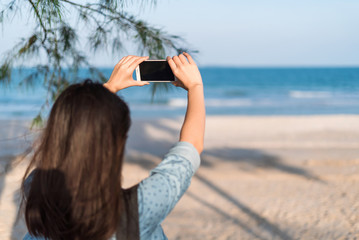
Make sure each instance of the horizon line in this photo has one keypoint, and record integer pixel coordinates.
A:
(236, 66)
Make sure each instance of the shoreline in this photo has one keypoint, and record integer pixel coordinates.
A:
(142, 116)
(226, 115)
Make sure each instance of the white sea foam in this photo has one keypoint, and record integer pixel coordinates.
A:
(212, 102)
(177, 102)
(310, 94)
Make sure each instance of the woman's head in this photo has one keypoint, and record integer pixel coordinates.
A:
(83, 142)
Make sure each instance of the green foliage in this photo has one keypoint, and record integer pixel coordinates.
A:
(1, 16)
(5, 72)
(55, 41)
(37, 121)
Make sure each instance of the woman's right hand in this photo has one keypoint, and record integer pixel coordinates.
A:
(187, 73)
(185, 70)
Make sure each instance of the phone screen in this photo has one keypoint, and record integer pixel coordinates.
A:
(156, 71)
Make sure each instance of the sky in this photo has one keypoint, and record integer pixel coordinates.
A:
(256, 33)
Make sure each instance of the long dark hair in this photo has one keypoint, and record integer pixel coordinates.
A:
(75, 192)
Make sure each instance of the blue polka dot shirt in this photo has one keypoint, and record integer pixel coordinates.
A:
(159, 193)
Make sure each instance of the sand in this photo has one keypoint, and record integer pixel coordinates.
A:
(262, 177)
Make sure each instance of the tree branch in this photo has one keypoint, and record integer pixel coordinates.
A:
(84, 6)
(39, 18)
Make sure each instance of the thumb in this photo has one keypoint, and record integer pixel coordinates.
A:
(142, 83)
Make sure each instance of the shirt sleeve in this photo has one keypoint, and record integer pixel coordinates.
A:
(159, 193)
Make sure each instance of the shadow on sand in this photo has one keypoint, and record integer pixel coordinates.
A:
(242, 159)
(262, 223)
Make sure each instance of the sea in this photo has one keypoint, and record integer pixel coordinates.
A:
(228, 91)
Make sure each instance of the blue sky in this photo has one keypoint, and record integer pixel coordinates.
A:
(248, 33)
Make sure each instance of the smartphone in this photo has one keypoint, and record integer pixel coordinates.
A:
(154, 71)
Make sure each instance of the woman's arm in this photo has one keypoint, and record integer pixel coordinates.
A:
(189, 78)
(121, 76)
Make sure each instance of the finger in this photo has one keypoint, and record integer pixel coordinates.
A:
(142, 83)
(177, 61)
(190, 59)
(125, 59)
(183, 58)
(132, 60)
(121, 61)
(171, 63)
(128, 58)
(177, 82)
(137, 62)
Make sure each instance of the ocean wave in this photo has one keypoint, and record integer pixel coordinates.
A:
(19, 108)
(235, 93)
(212, 102)
(310, 94)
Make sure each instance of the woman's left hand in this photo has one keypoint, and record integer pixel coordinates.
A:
(121, 76)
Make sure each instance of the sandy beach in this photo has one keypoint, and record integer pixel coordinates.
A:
(261, 177)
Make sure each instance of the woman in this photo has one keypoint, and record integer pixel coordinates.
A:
(75, 190)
